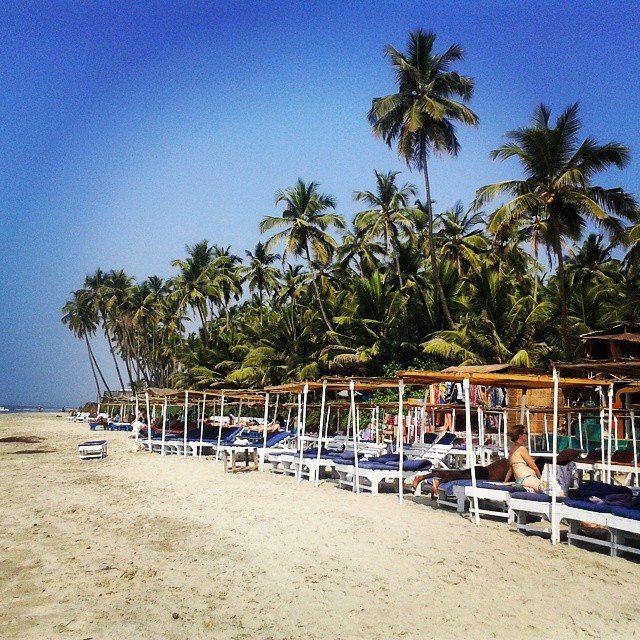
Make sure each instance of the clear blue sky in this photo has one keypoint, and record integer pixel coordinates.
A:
(130, 129)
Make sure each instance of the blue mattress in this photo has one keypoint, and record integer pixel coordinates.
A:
(587, 505)
(633, 513)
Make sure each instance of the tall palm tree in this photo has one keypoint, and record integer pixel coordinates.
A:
(259, 273)
(356, 248)
(82, 319)
(459, 238)
(96, 285)
(389, 215)
(226, 279)
(421, 116)
(116, 291)
(558, 186)
(305, 221)
(193, 286)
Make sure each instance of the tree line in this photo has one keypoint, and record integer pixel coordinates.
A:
(512, 277)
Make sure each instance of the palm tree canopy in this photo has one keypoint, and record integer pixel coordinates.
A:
(423, 112)
(558, 173)
(306, 221)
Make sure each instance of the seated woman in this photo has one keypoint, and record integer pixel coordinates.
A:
(522, 467)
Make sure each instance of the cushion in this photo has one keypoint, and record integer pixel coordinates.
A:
(587, 505)
(597, 489)
(533, 497)
(416, 465)
(626, 512)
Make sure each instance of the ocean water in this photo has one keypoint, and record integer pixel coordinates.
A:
(28, 408)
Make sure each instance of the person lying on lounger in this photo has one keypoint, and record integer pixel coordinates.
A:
(521, 465)
(495, 472)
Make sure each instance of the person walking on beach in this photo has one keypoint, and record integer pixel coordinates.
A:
(521, 465)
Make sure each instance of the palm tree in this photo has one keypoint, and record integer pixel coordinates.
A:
(503, 325)
(259, 273)
(358, 249)
(459, 239)
(116, 291)
(389, 215)
(557, 186)
(96, 285)
(420, 117)
(592, 264)
(193, 285)
(305, 221)
(81, 317)
(226, 279)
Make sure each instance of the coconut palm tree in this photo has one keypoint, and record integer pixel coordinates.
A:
(389, 216)
(420, 117)
(592, 264)
(82, 319)
(502, 324)
(558, 186)
(193, 286)
(305, 221)
(459, 238)
(259, 273)
(358, 250)
(96, 284)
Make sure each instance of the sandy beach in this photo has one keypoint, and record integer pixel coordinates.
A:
(136, 546)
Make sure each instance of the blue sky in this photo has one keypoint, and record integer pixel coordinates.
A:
(132, 129)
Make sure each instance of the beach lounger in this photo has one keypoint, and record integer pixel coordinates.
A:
(524, 505)
(494, 496)
(92, 449)
(312, 467)
(243, 446)
(372, 474)
(622, 462)
(618, 525)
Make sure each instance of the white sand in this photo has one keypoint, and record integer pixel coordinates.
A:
(111, 549)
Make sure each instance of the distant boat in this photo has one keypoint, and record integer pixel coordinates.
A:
(4, 409)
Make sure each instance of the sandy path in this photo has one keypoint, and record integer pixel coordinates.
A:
(111, 549)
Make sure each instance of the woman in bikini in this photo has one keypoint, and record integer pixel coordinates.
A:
(521, 465)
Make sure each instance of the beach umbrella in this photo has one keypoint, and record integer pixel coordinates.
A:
(321, 429)
(401, 438)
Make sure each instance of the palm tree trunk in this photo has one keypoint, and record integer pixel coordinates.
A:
(93, 369)
(98, 369)
(113, 355)
(562, 291)
(317, 291)
(397, 261)
(432, 244)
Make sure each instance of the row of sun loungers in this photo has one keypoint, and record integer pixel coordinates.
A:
(616, 520)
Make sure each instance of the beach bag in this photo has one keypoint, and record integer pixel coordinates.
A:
(562, 481)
